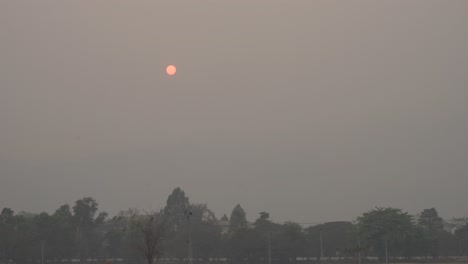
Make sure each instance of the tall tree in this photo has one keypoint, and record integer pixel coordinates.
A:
(17, 236)
(385, 230)
(432, 226)
(462, 236)
(6, 233)
(127, 233)
(176, 206)
(84, 211)
(176, 212)
(238, 219)
(264, 225)
(64, 240)
(86, 225)
(151, 227)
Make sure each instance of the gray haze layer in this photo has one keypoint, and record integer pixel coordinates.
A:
(310, 110)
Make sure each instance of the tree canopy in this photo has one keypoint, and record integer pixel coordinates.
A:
(82, 231)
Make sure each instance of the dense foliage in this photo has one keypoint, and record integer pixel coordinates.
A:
(82, 232)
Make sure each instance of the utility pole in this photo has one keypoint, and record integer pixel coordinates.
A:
(359, 249)
(42, 252)
(269, 248)
(190, 242)
(321, 245)
(188, 214)
(386, 251)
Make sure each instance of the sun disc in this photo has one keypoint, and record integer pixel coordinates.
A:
(171, 70)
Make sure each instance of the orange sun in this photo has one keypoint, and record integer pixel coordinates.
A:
(171, 70)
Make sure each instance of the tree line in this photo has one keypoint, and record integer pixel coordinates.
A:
(183, 229)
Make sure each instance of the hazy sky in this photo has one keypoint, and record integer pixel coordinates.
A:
(310, 110)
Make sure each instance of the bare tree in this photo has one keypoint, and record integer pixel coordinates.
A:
(152, 228)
